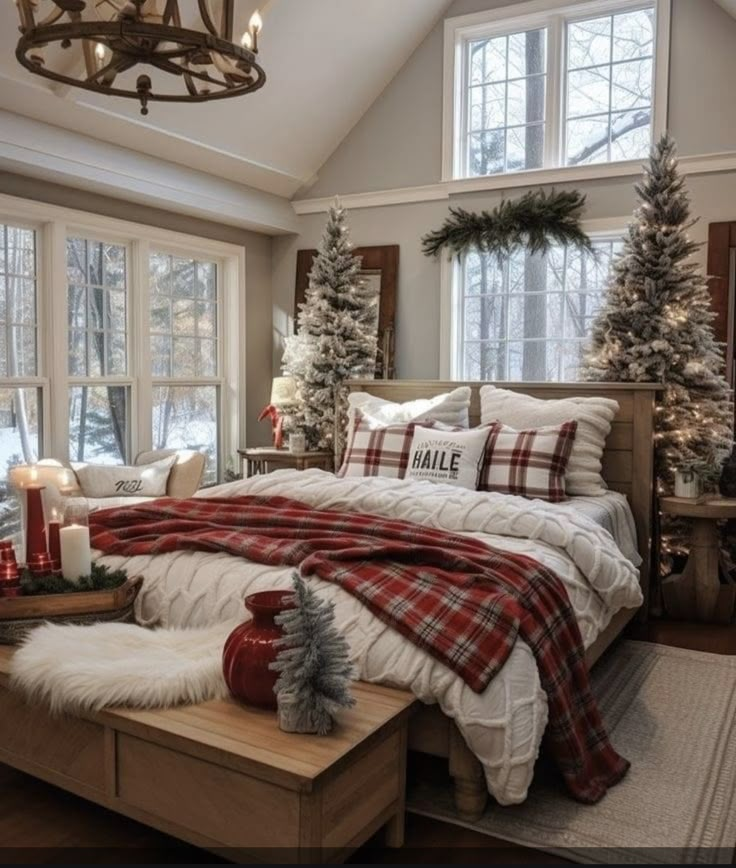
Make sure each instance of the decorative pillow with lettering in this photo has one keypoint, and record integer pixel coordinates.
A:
(528, 463)
(452, 457)
(109, 480)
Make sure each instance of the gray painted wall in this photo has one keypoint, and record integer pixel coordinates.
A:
(258, 274)
(397, 143)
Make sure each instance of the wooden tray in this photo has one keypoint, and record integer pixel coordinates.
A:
(20, 615)
(53, 606)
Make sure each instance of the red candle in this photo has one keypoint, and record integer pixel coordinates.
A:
(55, 544)
(35, 523)
(9, 579)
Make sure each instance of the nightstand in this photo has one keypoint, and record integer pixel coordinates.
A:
(699, 590)
(266, 459)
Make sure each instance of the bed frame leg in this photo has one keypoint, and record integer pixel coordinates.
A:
(466, 771)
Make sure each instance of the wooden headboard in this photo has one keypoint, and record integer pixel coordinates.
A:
(628, 459)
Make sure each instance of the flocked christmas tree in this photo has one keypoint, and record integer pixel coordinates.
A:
(656, 326)
(336, 340)
(314, 664)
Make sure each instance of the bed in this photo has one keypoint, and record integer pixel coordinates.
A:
(491, 739)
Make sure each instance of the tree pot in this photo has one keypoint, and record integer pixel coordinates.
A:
(727, 484)
(249, 649)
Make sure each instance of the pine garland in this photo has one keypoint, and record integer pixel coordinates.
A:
(536, 222)
(101, 579)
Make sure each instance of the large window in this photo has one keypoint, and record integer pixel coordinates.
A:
(21, 392)
(185, 355)
(113, 342)
(98, 356)
(527, 317)
(548, 84)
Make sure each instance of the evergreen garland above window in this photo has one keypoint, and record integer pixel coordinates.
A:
(536, 221)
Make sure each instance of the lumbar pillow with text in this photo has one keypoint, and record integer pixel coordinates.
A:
(593, 415)
(453, 457)
(110, 480)
(377, 450)
(450, 408)
(529, 463)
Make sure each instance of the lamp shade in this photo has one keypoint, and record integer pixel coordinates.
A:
(283, 392)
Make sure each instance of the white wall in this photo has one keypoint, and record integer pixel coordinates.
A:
(398, 144)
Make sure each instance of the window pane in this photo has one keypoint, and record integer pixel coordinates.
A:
(19, 444)
(97, 307)
(17, 302)
(183, 311)
(99, 424)
(506, 102)
(520, 315)
(609, 88)
(186, 417)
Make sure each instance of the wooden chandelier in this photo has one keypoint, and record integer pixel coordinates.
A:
(103, 40)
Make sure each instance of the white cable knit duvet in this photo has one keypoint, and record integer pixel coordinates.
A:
(503, 726)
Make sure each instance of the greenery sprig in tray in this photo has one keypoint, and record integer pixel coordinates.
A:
(101, 579)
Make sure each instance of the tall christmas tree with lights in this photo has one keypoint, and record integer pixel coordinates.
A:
(656, 326)
(337, 332)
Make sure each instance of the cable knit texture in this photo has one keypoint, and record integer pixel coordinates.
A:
(504, 724)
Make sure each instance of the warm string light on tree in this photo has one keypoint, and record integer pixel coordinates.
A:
(656, 326)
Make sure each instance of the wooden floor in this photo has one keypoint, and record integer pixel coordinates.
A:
(40, 824)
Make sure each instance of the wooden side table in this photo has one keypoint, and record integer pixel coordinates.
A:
(698, 590)
(266, 459)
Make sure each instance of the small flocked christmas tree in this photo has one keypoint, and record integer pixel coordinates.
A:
(337, 332)
(656, 326)
(314, 664)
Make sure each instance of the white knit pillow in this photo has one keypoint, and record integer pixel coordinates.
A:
(593, 415)
(450, 408)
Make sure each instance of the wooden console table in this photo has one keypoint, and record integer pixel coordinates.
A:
(223, 776)
(699, 590)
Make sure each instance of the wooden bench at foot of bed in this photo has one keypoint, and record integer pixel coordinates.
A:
(223, 776)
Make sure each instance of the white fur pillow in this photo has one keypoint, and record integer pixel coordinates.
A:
(114, 480)
(593, 415)
(450, 408)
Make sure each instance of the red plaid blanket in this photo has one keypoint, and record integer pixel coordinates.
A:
(462, 601)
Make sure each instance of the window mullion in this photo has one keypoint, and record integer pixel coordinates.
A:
(54, 296)
(556, 84)
(140, 345)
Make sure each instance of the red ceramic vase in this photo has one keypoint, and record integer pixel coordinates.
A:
(249, 649)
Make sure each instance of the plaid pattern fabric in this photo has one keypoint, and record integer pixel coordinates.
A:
(464, 602)
(382, 451)
(529, 463)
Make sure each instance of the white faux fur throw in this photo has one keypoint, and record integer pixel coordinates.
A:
(74, 668)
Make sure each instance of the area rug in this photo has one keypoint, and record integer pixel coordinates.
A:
(673, 714)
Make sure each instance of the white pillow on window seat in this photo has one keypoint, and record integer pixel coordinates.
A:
(110, 480)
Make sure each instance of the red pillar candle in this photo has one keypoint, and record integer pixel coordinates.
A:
(9, 578)
(55, 544)
(35, 522)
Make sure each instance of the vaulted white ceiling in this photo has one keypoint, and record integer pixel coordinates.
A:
(326, 62)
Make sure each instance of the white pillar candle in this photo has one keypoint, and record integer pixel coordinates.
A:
(76, 553)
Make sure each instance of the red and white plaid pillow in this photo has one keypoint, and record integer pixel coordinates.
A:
(528, 463)
(379, 450)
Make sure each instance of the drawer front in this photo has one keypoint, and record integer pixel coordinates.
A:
(223, 805)
(361, 792)
(65, 746)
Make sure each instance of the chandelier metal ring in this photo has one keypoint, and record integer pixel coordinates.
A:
(211, 66)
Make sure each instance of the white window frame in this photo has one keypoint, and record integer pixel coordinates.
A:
(53, 225)
(553, 15)
(451, 295)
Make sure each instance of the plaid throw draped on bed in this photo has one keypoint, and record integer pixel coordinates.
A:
(459, 599)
